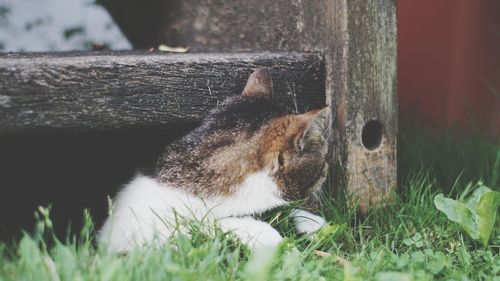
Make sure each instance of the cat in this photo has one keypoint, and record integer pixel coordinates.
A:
(249, 155)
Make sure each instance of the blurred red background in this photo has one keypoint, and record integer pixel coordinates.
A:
(449, 63)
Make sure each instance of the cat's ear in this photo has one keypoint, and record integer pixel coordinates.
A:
(317, 127)
(259, 84)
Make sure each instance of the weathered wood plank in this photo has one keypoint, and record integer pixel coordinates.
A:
(96, 91)
(369, 97)
(357, 38)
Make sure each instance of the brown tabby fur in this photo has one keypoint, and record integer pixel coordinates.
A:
(243, 135)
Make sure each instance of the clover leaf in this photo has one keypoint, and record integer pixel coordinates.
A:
(476, 215)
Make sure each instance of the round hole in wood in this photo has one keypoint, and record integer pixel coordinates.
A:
(371, 136)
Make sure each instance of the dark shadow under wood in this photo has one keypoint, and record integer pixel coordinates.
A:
(70, 172)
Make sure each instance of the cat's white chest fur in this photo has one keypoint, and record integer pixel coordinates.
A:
(145, 210)
(256, 194)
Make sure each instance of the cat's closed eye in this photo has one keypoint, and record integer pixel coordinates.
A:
(281, 160)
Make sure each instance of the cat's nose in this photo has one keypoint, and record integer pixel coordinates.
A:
(322, 119)
(329, 117)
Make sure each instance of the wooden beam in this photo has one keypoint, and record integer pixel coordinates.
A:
(97, 91)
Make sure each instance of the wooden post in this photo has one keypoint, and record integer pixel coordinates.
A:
(357, 39)
(363, 89)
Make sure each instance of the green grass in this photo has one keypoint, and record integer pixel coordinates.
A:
(407, 240)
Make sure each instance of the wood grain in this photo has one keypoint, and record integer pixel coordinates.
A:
(100, 91)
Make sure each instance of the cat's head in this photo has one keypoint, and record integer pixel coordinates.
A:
(251, 134)
(294, 146)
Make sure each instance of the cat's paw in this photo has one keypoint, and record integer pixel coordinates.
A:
(253, 233)
(267, 238)
(307, 222)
